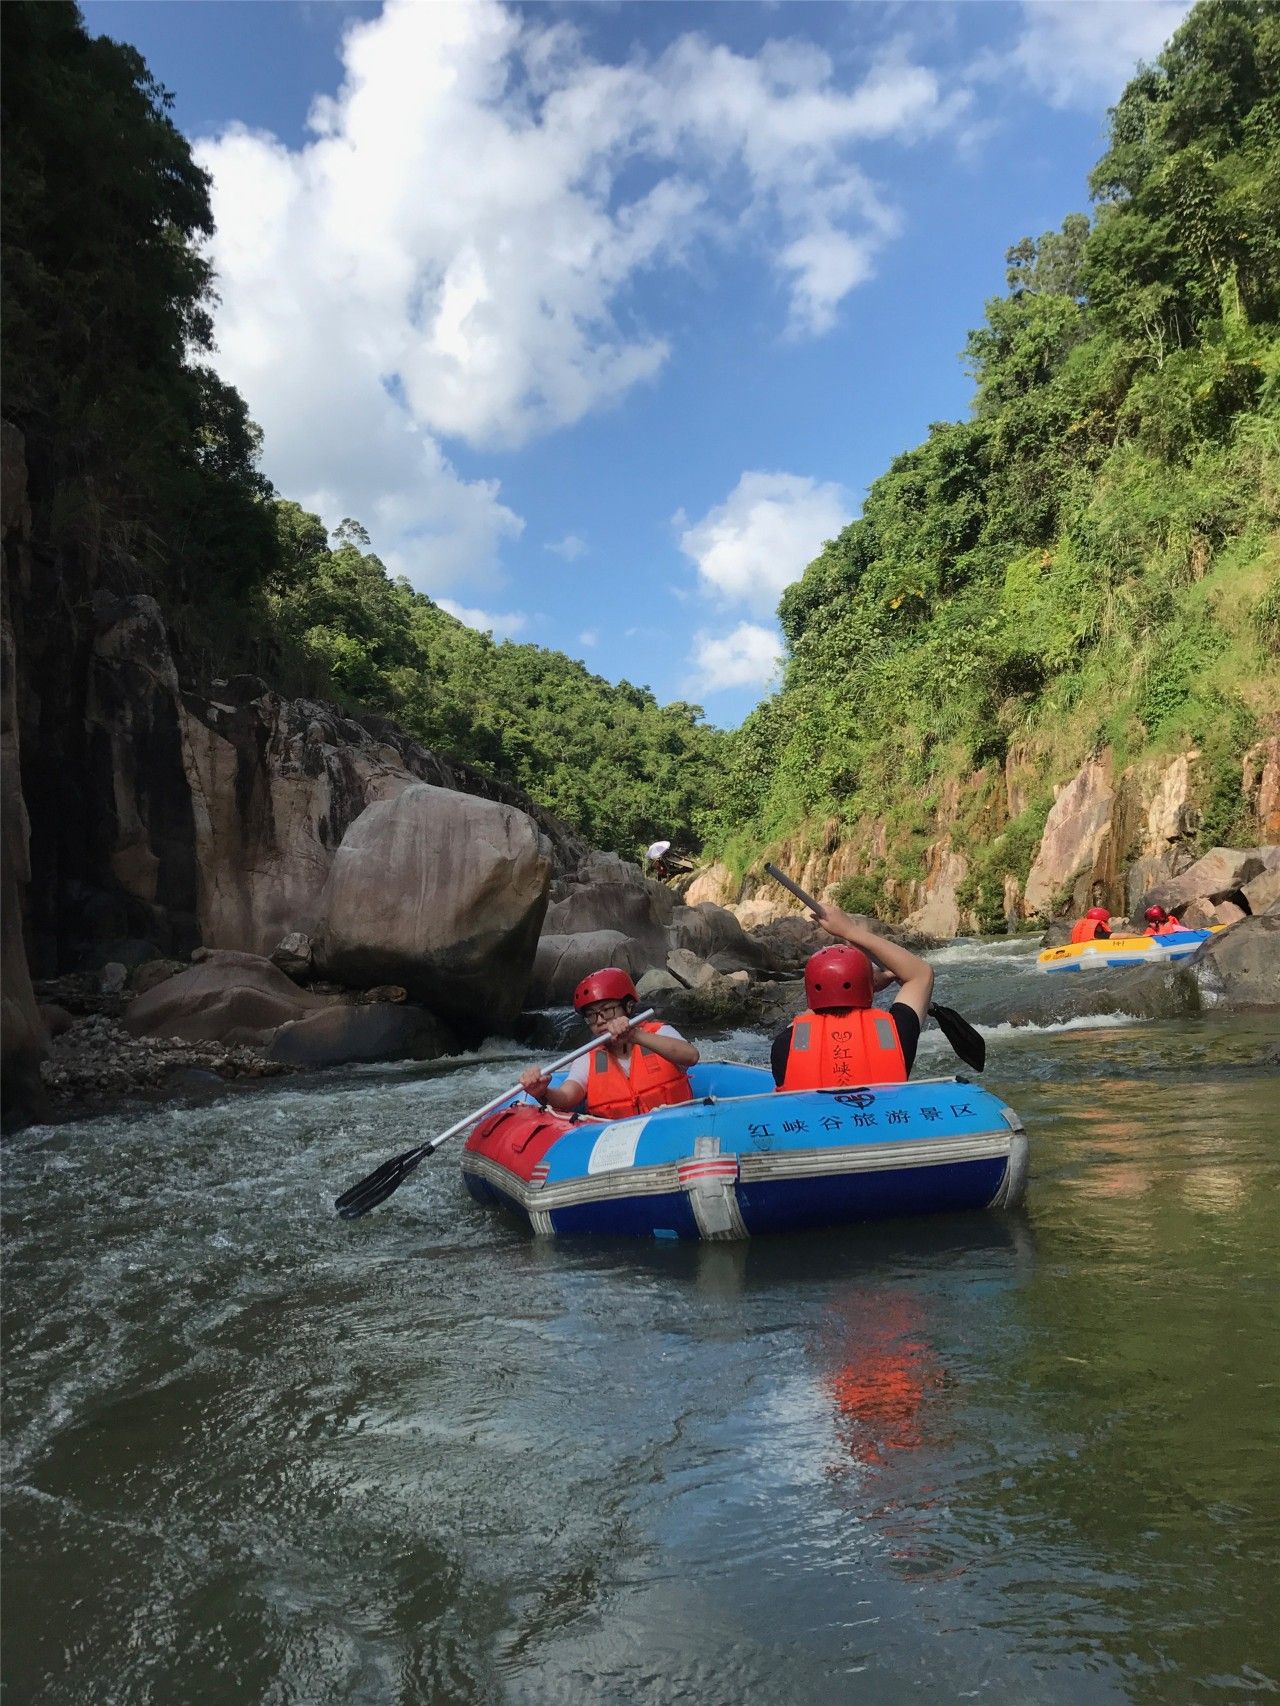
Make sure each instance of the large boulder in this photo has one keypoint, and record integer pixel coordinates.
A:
(1240, 967)
(227, 997)
(607, 893)
(379, 1031)
(442, 892)
(1263, 892)
(713, 932)
(1216, 878)
(561, 963)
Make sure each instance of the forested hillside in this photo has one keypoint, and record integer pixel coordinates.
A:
(1091, 560)
(144, 476)
(610, 760)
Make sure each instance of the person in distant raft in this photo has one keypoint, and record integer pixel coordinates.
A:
(843, 1039)
(1095, 926)
(1159, 922)
(636, 1068)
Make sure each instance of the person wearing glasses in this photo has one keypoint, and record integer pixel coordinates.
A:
(635, 1069)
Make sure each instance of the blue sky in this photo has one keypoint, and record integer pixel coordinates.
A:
(602, 318)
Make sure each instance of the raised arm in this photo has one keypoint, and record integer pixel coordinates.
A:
(914, 974)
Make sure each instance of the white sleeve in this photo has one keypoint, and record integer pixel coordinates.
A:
(579, 1071)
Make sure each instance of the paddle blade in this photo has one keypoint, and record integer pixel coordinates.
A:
(968, 1045)
(379, 1185)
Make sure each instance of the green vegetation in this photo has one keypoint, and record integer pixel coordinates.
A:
(1092, 558)
(143, 474)
(610, 760)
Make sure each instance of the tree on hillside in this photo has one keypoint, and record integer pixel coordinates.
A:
(137, 450)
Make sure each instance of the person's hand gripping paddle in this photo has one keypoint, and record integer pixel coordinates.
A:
(379, 1184)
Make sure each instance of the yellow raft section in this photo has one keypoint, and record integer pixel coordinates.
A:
(1123, 950)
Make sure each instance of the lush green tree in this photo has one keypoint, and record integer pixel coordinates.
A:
(139, 453)
(1086, 559)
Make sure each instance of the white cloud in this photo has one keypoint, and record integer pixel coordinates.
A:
(748, 656)
(454, 251)
(502, 625)
(589, 637)
(764, 534)
(1078, 52)
(570, 547)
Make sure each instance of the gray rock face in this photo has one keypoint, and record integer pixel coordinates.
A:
(443, 893)
(1241, 966)
(713, 933)
(24, 1042)
(379, 1031)
(1263, 892)
(1218, 876)
(604, 892)
(561, 963)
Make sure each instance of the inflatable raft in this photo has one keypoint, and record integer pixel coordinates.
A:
(1125, 951)
(741, 1159)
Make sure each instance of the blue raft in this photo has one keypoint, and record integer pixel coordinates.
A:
(741, 1159)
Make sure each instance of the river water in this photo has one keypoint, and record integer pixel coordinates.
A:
(253, 1453)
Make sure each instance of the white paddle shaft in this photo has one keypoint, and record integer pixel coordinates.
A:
(516, 1090)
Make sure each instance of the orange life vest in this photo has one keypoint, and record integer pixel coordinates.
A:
(860, 1046)
(1085, 930)
(1170, 927)
(650, 1082)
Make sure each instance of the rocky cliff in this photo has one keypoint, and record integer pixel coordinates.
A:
(145, 814)
(1112, 836)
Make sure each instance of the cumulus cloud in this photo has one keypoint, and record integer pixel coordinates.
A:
(760, 539)
(502, 625)
(748, 656)
(1077, 52)
(570, 547)
(454, 251)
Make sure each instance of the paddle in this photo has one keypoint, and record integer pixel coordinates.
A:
(966, 1043)
(392, 1174)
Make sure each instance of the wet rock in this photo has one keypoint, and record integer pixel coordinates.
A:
(382, 1031)
(722, 1004)
(1241, 966)
(392, 992)
(23, 1040)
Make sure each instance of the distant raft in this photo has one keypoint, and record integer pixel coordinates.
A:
(742, 1159)
(1125, 951)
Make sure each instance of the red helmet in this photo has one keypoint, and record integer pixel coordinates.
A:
(1155, 915)
(838, 977)
(607, 985)
(1100, 913)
